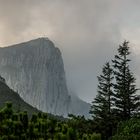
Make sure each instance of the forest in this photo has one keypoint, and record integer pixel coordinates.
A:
(115, 111)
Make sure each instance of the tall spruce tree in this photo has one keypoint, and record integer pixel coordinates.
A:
(125, 98)
(101, 106)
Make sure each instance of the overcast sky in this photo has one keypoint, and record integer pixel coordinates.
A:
(87, 32)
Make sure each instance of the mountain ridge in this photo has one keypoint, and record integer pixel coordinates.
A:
(35, 69)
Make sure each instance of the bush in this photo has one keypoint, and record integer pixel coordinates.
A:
(96, 136)
(128, 130)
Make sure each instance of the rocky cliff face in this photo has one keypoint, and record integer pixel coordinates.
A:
(35, 70)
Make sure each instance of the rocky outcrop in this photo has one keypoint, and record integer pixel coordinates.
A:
(35, 70)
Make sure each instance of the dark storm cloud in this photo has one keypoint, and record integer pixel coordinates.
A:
(87, 32)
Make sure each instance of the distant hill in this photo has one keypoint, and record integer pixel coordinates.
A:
(7, 94)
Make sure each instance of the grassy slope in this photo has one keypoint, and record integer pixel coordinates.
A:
(6, 94)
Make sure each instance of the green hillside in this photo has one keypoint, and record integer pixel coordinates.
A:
(7, 94)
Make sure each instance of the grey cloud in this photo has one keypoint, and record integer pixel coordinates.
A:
(87, 32)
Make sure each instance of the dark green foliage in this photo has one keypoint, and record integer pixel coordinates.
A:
(17, 126)
(7, 110)
(96, 136)
(102, 103)
(125, 98)
(128, 130)
(101, 106)
(116, 99)
(81, 125)
(71, 134)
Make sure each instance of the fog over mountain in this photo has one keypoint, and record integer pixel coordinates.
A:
(35, 70)
(87, 32)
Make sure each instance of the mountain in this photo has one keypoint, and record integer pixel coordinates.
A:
(35, 70)
(7, 94)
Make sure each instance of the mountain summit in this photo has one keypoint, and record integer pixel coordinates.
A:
(35, 70)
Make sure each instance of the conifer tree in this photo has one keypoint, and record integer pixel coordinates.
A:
(125, 98)
(101, 106)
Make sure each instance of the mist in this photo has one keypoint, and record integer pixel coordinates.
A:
(88, 33)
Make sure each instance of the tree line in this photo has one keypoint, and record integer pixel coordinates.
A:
(117, 99)
(16, 125)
